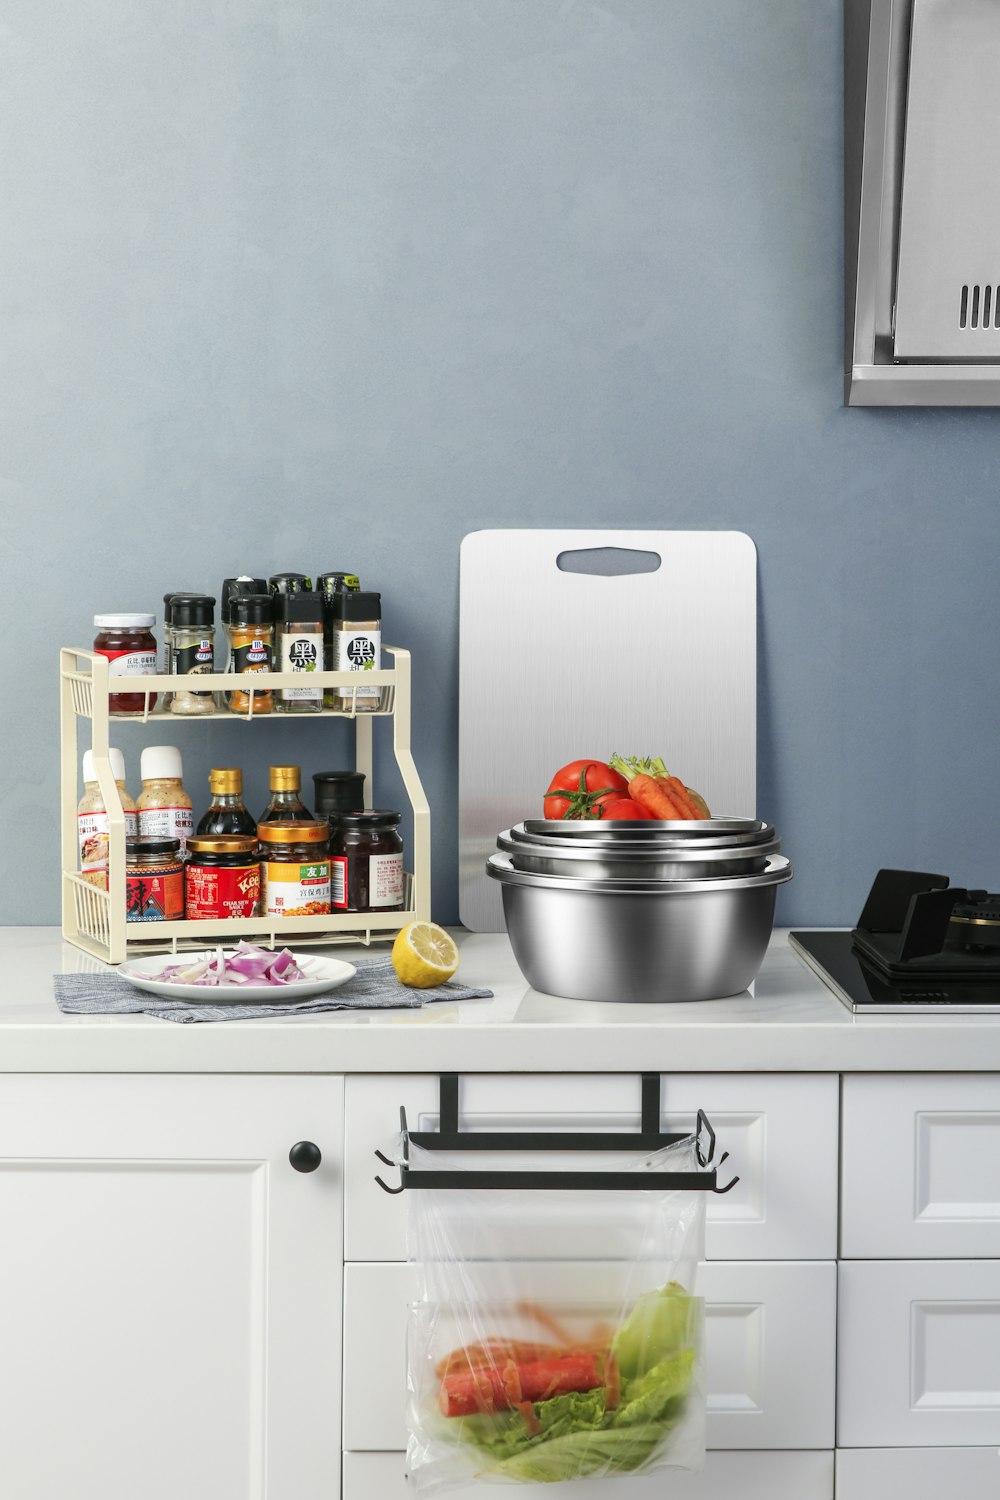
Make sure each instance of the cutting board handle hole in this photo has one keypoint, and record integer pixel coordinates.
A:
(608, 562)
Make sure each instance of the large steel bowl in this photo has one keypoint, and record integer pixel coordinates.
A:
(648, 941)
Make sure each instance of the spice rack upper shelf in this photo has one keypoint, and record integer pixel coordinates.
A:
(94, 919)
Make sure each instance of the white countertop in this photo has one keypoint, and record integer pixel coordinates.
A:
(791, 1023)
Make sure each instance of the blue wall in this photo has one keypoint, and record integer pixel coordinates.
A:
(329, 283)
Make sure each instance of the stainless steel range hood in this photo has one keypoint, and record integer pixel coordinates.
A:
(922, 106)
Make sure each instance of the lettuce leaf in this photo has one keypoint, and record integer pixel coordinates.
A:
(656, 1357)
(659, 1324)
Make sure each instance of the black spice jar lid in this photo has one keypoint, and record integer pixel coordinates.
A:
(298, 609)
(250, 609)
(357, 606)
(192, 609)
(375, 817)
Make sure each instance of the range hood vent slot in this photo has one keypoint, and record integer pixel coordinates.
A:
(980, 307)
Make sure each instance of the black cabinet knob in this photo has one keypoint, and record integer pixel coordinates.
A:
(305, 1156)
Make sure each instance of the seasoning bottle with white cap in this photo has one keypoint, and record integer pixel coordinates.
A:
(164, 807)
(93, 824)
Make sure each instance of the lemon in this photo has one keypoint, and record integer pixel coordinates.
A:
(424, 955)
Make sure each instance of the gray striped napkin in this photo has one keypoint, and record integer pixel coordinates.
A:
(374, 987)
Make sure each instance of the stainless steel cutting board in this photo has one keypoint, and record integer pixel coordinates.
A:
(556, 665)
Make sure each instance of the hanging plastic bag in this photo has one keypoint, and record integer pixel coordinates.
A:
(557, 1334)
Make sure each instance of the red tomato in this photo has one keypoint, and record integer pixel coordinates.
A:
(626, 808)
(580, 790)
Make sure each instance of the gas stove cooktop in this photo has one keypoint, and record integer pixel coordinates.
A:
(920, 946)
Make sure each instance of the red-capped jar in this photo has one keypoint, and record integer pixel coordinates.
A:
(130, 647)
(221, 877)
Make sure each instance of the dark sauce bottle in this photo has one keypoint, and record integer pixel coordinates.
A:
(286, 805)
(227, 813)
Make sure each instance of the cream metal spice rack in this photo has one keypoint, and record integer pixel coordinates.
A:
(94, 919)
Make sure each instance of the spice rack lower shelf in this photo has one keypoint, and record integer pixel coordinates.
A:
(93, 913)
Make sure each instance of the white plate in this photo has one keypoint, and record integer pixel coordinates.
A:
(324, 974)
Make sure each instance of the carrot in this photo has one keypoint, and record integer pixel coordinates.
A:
(464, 1394)
(531, 1423)
(495, 1352)
(650, 794)
(511, 1378)
(676, 789)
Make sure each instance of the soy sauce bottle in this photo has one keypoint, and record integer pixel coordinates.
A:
(286, 805)
(227, 813)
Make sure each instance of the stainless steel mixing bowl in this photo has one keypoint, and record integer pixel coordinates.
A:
(622, 860)
(649, 940)
(646, 831)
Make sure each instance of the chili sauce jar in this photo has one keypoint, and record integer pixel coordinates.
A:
(294, 869)
(221, 878)
(366, 861)
(154, 880)
(130, 647)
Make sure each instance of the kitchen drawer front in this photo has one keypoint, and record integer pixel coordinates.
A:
(919, 1353)
(770, 1335)
(921, 1166)
(751, 1476)
(918, 1473)
(781, 1131)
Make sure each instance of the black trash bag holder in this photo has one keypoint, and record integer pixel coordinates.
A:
(648, 1138)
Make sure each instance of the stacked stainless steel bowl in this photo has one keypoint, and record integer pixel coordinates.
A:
(639, 911)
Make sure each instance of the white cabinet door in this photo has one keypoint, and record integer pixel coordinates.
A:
(726, 1476)
(919, 1355)
(781, 1131)
(770, 1339)
(169, 1288)
(917, 1473)
(921, 1166)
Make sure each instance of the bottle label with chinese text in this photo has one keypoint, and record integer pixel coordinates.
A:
(301, 653)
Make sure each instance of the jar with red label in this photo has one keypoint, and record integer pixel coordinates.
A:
(130, 647)
(154, 880)
(366, 859)
(294, 869)
(222, 878)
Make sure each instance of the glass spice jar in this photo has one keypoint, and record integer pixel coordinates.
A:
(221, 878)
(251, 649)
(366, 861)
(192, 631)
(233, 588)
(130, 647)
(294, 869)
(357, 647)
(329, 585)
(298, 620)
(154, 881)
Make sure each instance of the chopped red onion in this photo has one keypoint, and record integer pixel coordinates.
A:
(247, 964)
